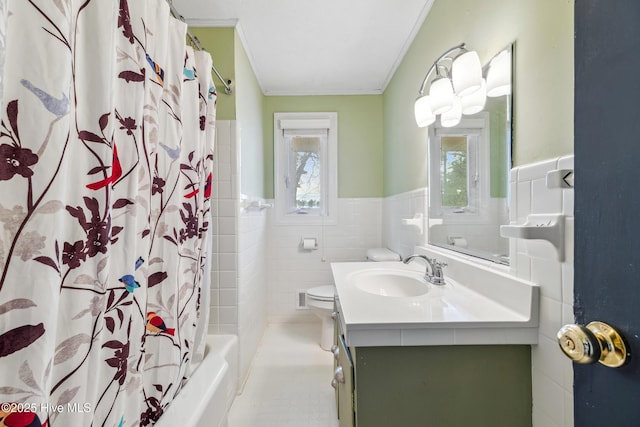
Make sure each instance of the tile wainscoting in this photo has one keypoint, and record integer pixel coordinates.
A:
(225, 194)
(552, 372)
(291, 268)
(238, 286)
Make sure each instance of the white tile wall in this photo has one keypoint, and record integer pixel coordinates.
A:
(252, 284)
(238, 289)
(224, 282)
(291, 268)
(552, 372)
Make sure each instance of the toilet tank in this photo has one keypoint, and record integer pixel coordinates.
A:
(382, 254)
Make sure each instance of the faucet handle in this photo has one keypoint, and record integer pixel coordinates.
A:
(438, 264)
(437, 276)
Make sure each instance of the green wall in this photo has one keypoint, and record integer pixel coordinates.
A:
(244, 104)
(360, 135)
(220, 43)
(249, 108)
(360, 122)
(381, 150)
(543, 92)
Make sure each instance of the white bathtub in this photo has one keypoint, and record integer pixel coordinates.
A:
(205, 400)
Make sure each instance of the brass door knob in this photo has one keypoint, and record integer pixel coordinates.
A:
(596, 342)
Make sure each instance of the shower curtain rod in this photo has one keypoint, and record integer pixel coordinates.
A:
(196, 43)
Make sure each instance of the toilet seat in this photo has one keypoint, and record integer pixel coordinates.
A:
(322, 293)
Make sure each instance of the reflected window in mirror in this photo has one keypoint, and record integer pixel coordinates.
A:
(460, 157)
(457, 182)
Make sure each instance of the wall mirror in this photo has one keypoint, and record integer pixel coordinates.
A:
(469, 166)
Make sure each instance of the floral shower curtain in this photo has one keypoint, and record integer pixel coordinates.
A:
(106, 148)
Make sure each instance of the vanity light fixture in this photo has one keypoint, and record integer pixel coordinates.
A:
(459, 87)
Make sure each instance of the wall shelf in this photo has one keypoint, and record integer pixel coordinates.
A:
(549, 227)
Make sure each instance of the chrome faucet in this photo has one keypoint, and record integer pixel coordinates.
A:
(434, 269)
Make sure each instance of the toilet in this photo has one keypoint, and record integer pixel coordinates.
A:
(320, 302)
(320, 298)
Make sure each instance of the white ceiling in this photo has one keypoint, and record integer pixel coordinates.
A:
(305, 47)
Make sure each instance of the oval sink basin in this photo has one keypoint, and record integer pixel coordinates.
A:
(391, 284)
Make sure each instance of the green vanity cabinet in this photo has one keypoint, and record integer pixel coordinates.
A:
(432, 386)
(442, 386)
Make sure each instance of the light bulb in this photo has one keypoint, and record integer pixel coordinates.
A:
(452, 117)
(423, 113)
(441, 95)
(474, 103)
(466, 73)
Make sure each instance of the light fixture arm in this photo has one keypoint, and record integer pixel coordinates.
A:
(457, 88)
(459, 47)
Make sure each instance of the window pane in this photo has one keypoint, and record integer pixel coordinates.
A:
(306, 171)
(453, 170)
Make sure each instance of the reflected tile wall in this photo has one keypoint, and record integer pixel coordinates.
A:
(399, 237)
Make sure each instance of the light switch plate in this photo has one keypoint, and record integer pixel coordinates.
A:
(560, 178)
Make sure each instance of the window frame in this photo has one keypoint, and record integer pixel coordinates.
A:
(328, 165)
(476, 210)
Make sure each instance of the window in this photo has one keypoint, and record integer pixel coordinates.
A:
(306, 167)
(458, 172)
(459, 184)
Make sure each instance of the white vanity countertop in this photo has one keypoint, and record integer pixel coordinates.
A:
(497, 309)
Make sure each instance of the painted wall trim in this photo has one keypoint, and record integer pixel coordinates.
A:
(243, 41)
(218, 23)
(323, 93)
(408, 42)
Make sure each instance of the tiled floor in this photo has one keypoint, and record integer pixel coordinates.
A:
(289, 382)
